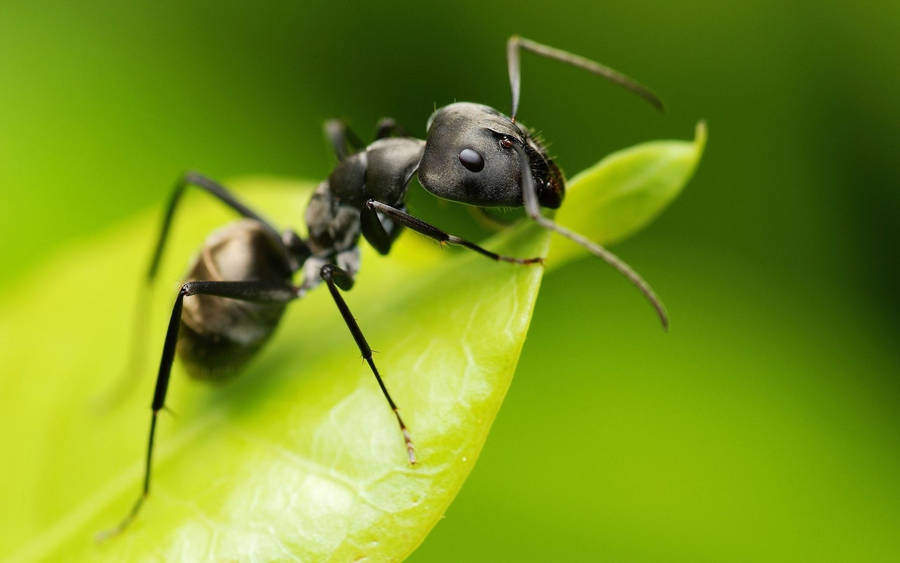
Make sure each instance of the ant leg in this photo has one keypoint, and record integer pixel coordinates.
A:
(336, 278)
(344, 141)
(213, 188)
(533, 208)
(512, 60)
(387, 127)
(380, 235)
(433, 232)
(256, 291)
(137, 352)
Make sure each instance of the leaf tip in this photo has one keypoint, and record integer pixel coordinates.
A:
(700, 135)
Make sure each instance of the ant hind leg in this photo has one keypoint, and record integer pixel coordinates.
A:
(255, 291)
(137, 352)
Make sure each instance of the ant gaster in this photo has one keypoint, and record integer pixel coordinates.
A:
(240, 284)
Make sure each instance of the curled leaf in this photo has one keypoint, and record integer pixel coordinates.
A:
(300, 457)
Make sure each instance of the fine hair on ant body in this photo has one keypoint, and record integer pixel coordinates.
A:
(238, 287)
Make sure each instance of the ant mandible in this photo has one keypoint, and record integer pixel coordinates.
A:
(242, 280)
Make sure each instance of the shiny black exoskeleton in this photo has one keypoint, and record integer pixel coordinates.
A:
(239, 285)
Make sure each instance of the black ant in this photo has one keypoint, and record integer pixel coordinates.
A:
(242, 281)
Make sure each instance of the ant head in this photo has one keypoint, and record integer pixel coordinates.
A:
(469, 158)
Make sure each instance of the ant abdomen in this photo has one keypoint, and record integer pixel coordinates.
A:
(219, 335)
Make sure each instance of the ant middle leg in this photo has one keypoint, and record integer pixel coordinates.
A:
(334, 277)
(431, 231)
(254, 291)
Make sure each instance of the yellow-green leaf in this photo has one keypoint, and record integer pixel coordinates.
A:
(299, 458)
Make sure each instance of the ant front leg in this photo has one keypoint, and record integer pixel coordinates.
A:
(255, 291)
(380, 232)
(433, 232)
(335, 278)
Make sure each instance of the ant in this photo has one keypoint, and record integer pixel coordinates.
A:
(242, 280)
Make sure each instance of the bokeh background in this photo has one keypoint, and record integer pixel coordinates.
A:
(763, 427)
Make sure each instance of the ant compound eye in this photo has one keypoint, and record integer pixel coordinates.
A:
(506, 143)
(471, 160)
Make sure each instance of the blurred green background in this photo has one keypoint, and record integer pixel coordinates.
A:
(762, 428)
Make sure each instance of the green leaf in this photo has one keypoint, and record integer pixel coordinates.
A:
(299, 457)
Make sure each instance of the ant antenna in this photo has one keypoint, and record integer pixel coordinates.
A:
(533, 208)
(512, 59)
